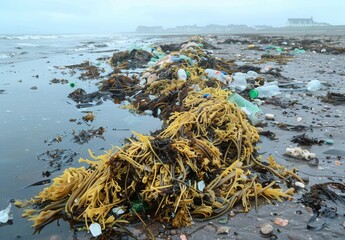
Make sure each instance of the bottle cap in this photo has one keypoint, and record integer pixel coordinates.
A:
(253, 93)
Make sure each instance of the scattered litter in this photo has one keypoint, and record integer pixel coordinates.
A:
(269, 116)
(118, 210)
(95, 229)
(300, 153)
(183, 237)
(223, 230)
(300, 185)
(281, 222)
(201, 186)
(5, 214)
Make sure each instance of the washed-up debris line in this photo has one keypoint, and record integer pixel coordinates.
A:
(284, 44)
(198, 166)
(90, 71)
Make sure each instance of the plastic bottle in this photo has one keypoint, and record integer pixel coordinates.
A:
(252, 75)
(181, 74)
(254, 113)
(265, 91)
(211, 73)
(313, 85)
(239, 82)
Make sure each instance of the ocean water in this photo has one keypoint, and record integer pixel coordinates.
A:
(34, 112)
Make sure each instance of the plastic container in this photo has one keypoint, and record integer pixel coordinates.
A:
(265, 91)
(254, 113)
(220, 76)
(239, 82)
(252, 75)
(181, 74)
(313, 85)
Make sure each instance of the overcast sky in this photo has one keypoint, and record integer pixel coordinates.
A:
(111, 16)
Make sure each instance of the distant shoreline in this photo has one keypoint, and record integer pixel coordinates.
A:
(315, 30)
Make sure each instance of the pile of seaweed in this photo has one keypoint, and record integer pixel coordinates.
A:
(201, 163)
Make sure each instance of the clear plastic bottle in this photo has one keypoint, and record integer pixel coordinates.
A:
(313, 85)
(220, 76)
(265, 91)
(254, 113)
(239, 82)
(181, 74)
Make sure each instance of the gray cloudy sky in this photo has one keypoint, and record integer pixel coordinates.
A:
(111, 16)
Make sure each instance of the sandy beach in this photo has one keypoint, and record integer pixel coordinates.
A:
(38, 118)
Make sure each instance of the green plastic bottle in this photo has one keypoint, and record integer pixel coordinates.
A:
(254, 113)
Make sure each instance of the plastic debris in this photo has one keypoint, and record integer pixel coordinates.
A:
(95, 229)
(300, 185)
(201, 186)
(118, 210)
(300, 153)
(281, 222)
(253, 112)
(5, 214)
(223, 230)
(269, 116)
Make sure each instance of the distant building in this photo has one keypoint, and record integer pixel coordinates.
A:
(305, 22)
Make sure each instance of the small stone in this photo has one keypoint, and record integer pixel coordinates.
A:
(329, 141)
(266, 229)
(232, 214)
(223, 230)
(173, 232)
(269, 116)
(299, 119)
(209, 228)
(33, 88)
(137, 232)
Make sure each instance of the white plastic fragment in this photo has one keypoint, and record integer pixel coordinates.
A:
(118, 211)
(5, 214)
(269, 116)
(95, 229)
(201, 185)
(300, 185)
(298, 152)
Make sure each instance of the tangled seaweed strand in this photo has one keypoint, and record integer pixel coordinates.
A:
(209, 143)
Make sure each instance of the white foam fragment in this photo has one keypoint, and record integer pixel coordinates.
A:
(5, 214)
(201, 186)
(298, 152)
(95, 229)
